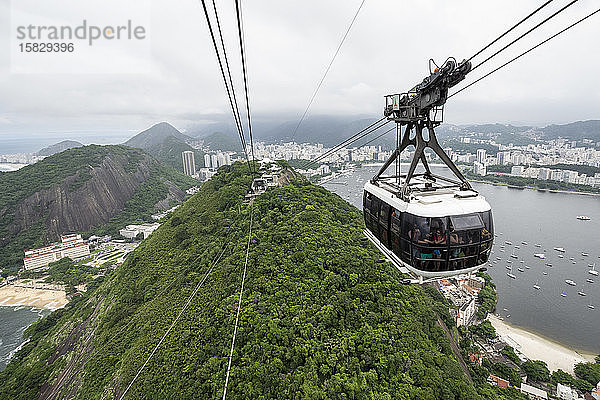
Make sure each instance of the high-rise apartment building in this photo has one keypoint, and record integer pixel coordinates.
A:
(189, 166)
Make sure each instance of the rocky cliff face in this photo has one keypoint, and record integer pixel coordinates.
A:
(92, 204)
(89, 189)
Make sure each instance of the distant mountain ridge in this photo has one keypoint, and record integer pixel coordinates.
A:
(58, 147)
(575, 130)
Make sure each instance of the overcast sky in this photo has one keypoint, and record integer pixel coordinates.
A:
(289, 44)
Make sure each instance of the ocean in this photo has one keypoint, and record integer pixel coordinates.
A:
(21, 144)
(535, 217)
(13, 322)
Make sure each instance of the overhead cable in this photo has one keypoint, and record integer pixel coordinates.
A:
(526, 33)
(189, 300)
(238, 9)
(229, 94)
(237, 315)
(357, 136)
(525, 52)
(510, 29)
(312, 98)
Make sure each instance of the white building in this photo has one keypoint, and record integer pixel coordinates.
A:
(556, 175)
(131, 231)
(323, 169)
(533, 392)
(570, 176)
(207, 161)
(566, 393)
(189, 165)
(479, 168)
(544, 174)
(481, 156)
(517, 170)
(69, 246)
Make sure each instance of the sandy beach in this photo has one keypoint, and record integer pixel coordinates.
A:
(40, 298)
(536, 347)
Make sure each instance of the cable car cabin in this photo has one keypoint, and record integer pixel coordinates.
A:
(437, 233)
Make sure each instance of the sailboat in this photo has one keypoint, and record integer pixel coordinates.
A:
(593, 270)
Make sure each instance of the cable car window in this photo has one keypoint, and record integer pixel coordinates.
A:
(375, 206)
(395, 222)
(488, 231)
(407, 224)
(437, 232)
(383, 213)
(464, 222)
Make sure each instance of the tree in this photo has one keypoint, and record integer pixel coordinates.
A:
(509, 353)
(508, 373)
(589, 372)
(484, 330)
(560, 376)
(536, 370)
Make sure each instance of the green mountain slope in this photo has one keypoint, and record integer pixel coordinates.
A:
(166, 143)
(576, 130)
(320, 318)
(222, 141)
(91, 188)
(58, 147)
(169, 152)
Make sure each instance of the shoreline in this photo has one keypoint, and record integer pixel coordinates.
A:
(534, 346)
(48, 299)
(534, 188)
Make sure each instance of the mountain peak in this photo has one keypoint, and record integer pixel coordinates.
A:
(154, 135)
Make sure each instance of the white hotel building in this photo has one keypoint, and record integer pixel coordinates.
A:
(69, 246)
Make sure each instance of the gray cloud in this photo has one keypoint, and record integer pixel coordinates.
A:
(289, 44)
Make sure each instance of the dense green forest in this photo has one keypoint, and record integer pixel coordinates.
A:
(321, 318)
(73, 168)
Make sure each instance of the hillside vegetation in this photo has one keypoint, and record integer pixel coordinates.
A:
(320, 317)
(166, 143)
(87, 189)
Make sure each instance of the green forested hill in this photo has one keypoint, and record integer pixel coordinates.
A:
(90, 188)
(166, 143)
(320, 318)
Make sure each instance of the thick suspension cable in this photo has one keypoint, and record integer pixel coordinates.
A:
(237, 315)
(378, 137)
(237, 117)
(212, 35)
(347, 142)
(510, 29)
(525, 52)
(238, 9)
(312, 98)
(189, 300)
(526, 33)
(357, 136)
